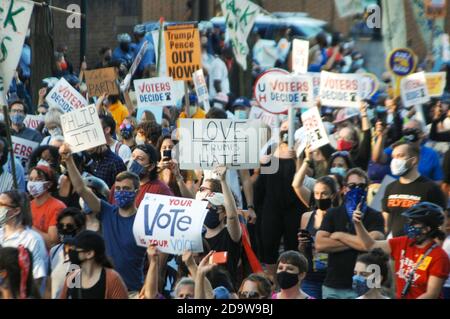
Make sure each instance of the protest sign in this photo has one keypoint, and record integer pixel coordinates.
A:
(340, 90)
(301, 139)
(316, 84)
(376, 202)
(257, 113)
(126, 82)
(82, 129)
(401, 62)
(276, 90)
(413, 89)
(369, 85)
(300, 56)
(23, 148)
(208, 143)
(162, 58)
(174, 224)
(101, 81)
(33, 121)
(436, 83)
(65, 97)
(435, 9)
(14, 19)
(315, 130)
(156, 110)
(155, 92)
(265, 53)
(183, 54)
(201, 89)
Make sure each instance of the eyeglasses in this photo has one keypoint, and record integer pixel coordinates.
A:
(18, 111)
(354, 185)
(249, 295)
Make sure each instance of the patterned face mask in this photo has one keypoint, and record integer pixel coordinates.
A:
(124, 199)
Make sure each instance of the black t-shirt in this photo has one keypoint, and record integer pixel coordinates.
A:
(341, 264)
(223, 242)
(95, 292)
(399, 197)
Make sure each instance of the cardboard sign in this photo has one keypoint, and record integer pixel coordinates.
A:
(23, 148)
(65, 97)
(174, 224)
(206, 144)
(276, 90)
(436, 83)
(369, 85)
(315, 130)
(82, 129)
(201, 89)
(414, 89)
(33, 121)
(401, 62)
(101, 81)
(183, 54)
(270, 119)
(155, 92)
(435, 9)
(340, 90)
(156, 110)
(300, 56)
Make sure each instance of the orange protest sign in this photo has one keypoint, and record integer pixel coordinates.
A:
(435, 9)
(101, 81)
(183, 54)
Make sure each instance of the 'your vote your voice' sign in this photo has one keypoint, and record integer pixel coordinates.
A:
(174, 224)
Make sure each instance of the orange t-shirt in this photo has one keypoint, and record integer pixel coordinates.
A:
(45, 215)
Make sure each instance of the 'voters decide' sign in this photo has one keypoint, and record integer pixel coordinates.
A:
(414, 90)
(174, 224)
(340, 90)
(155, 92)
(64, 96)
(23, 148)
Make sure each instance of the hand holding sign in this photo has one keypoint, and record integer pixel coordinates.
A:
(221, 171)
(205, 267)
(357, 214)
(153, 252)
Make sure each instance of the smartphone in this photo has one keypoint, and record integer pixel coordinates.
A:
(167, 155)
(218, 258)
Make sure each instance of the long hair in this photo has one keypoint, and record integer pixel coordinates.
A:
(20, 199)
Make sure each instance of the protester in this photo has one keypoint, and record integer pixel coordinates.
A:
(127, 132)
(6, 178)
(367, 280)
(124, 52)
(17, 116)
(109, 128)
(52, 125)
(148, 132)
(118, 111)
(255, 286)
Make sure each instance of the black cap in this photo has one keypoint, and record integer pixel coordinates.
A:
(150, 151)
(88, 240)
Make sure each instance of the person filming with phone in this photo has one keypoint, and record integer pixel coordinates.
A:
(337, 236)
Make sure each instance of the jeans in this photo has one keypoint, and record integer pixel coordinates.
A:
(332, 293)
(312, 288)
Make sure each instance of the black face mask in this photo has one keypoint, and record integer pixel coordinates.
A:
(74, 257)
(286, 279)
(323, 204)
(212, 219)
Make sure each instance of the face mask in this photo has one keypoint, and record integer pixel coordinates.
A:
(360, 285)
(413, 232)
(286, 279)
(4, 216)
(124, 199)
(74, 257)
(353, 198)
(343, 145)
(240, 115)
(399, 167)
(136, 168)
(36, 189)
(338, 170)
(358, 63)
(212, 220)
(84, 206)
(284, 136)
(43, 163)
(55, 132)
(323, 204)
(139, 140)
(411, 135)
(17, 119)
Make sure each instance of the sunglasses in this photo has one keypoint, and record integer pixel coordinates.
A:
(354, 185)
(67, 227)
(249, 295)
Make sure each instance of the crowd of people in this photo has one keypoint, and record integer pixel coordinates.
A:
(307, 231)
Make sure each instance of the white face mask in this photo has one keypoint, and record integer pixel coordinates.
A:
(139, 140)
(3, 215)
(55, 132)
(36, 189)
(399, 167)
(43, 163)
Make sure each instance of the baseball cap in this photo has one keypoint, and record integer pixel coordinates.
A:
(88, 240)
(221, 293)
(139, 29)
(346, 114)
(242, 101)
(216, 199)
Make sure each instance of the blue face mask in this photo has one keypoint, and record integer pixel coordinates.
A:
(17, 119)
(360, 285)
(136, 168)
(338, 170)
(124, 199)
(353, 198)
(413, 232)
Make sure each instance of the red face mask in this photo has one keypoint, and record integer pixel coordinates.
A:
(343, 145)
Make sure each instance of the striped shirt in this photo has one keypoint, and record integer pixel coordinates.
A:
(6, 182)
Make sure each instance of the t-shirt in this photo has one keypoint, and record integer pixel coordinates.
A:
(119, 112)
(406, 256)
(123, 151)
(446, 247)
(399, 197)
(45, 215)
(128, 258)
(60, 266)
(429, 164)
(341, 264)
(218, 72)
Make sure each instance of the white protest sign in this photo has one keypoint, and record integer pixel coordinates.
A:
(270, 119)
(301, 139)
(316, 84)
(14, 19)
(64, 96)
(201, 88)
(155, 92)
(209, 143)
(300, 56)
(276, 90)
(346, 8)
(33, 121)
(162, 58)
(82, 129)
(174, 224)
(23, 148)
(414, 90)
(339, 90)
(369, 85)
(126, 82)
(315, 130)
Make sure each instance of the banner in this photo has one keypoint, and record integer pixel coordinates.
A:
(300, 56)
(414, 89)
(316, 134)
(14, 19)
(393, 25)
(201, 89)
(23, 148)
(33, 121)
(239, 16)
(155, 92)
(347, 8)
(183, 53)
(65, 97)
(126, 82)
(101, 81)
(340, 90)
(174, 224)
(206, 144)
(82, 129)
(436, 83)
(276, 90)
(369, 85)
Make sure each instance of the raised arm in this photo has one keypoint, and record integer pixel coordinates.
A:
(378, 155)
(203, 289)
(151, 280)
(368, 242)
(303, 193)
(247, 185)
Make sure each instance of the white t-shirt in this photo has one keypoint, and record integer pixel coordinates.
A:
(446, 247)
(218, 72)
(34, 242)
(124, 151)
